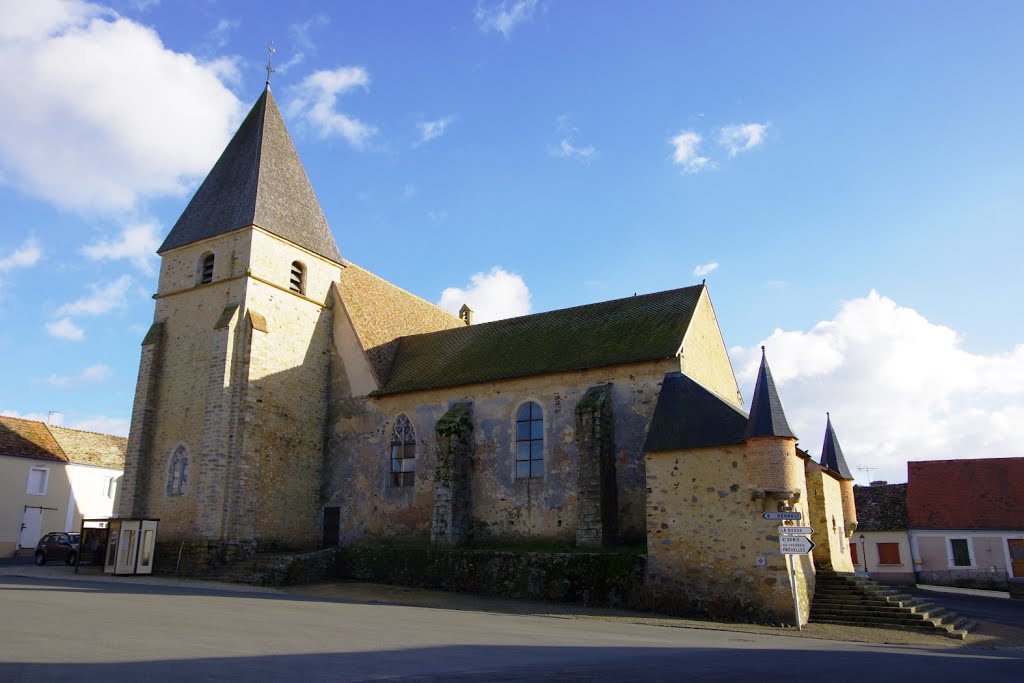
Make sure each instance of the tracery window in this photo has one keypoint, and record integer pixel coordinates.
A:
(403, 453)
(529, 441)
(206, 269)
(177, 473)
(297, 281)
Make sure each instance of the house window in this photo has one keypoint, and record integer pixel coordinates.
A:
(206, 269)
(297, 282)
(959, 552)
(109, 486)
(403, 453)
(177, 473)
(529, 441)
(853, 553)
(37, 479)
(889, 553)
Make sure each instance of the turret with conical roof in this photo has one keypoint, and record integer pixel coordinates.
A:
(832, 458)
(767, 418)
(771, 444)
(831, 453)
(258, 181)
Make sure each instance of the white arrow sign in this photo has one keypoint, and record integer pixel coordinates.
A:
(795, 545)
(793, 516)
(795, 530)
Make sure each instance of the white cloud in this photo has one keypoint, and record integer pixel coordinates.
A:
(704, 269)
(137, 243)
(742, 137)
(437, 216)
(103, 299)
(93, 374)
(99, 113)
(315, 98)
(65, 328)
(217, 38)
(492, 296)
(430, 130)
(899, 388)
(685, 152)
(118, 426)
(38, 417)
(504, 16)
(566, 150)
(28, 254)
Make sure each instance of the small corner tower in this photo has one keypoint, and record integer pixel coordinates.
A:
(226, 438)
(775, 468)
(832, 458)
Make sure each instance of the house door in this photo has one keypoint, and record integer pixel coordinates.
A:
(1016, 546)
(332, 526)
(31, 521)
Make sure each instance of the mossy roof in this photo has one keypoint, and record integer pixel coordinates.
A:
(635, 329)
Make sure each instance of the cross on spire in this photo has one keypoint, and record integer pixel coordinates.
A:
(270, 56)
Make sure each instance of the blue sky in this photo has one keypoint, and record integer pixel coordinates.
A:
(847, 178)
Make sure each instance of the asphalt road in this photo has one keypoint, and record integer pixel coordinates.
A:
(978, 607)
(83, 630)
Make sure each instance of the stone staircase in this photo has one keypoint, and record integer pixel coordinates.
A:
(844, 598)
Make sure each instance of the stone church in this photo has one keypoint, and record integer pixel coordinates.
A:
(289, 399)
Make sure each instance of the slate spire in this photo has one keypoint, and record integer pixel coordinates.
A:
(832, 454)
(258, 180)
(767, 417)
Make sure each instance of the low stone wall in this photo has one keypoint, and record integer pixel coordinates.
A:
(606, 579)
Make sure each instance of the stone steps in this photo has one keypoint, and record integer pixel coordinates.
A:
(855, 601)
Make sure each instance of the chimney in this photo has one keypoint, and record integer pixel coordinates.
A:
(466, 314)
(879, 483)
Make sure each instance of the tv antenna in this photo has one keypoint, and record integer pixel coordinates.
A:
(869, 470)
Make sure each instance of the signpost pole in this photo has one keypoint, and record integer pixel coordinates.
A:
(796, 598)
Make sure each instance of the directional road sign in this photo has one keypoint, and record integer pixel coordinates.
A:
(795, 545)
(795, 516)
(795, 531)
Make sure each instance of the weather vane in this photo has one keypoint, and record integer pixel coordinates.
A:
(270, 55)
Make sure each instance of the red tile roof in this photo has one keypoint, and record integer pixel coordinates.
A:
(28, 439)
(32, 439)
(966, 494)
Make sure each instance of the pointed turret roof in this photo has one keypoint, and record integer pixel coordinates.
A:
(832, 454)
(259, 181)
(767, 417)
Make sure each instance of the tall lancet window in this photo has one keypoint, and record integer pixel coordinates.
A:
(403, 453)
(529, 441)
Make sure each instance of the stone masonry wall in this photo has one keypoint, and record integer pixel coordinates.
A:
(597, 521)
(825, 503)
(709, 549)
(705, 358)
(135, 484)
(505, 509)
(452, 518)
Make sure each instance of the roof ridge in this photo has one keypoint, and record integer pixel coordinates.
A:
(85, 431)
(562, 310)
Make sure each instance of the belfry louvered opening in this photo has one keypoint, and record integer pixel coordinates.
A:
(297, 282)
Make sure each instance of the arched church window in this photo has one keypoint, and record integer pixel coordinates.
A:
(297, 282)
(206, 269)
(403, 453)
(177, 473)
(529, 441)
